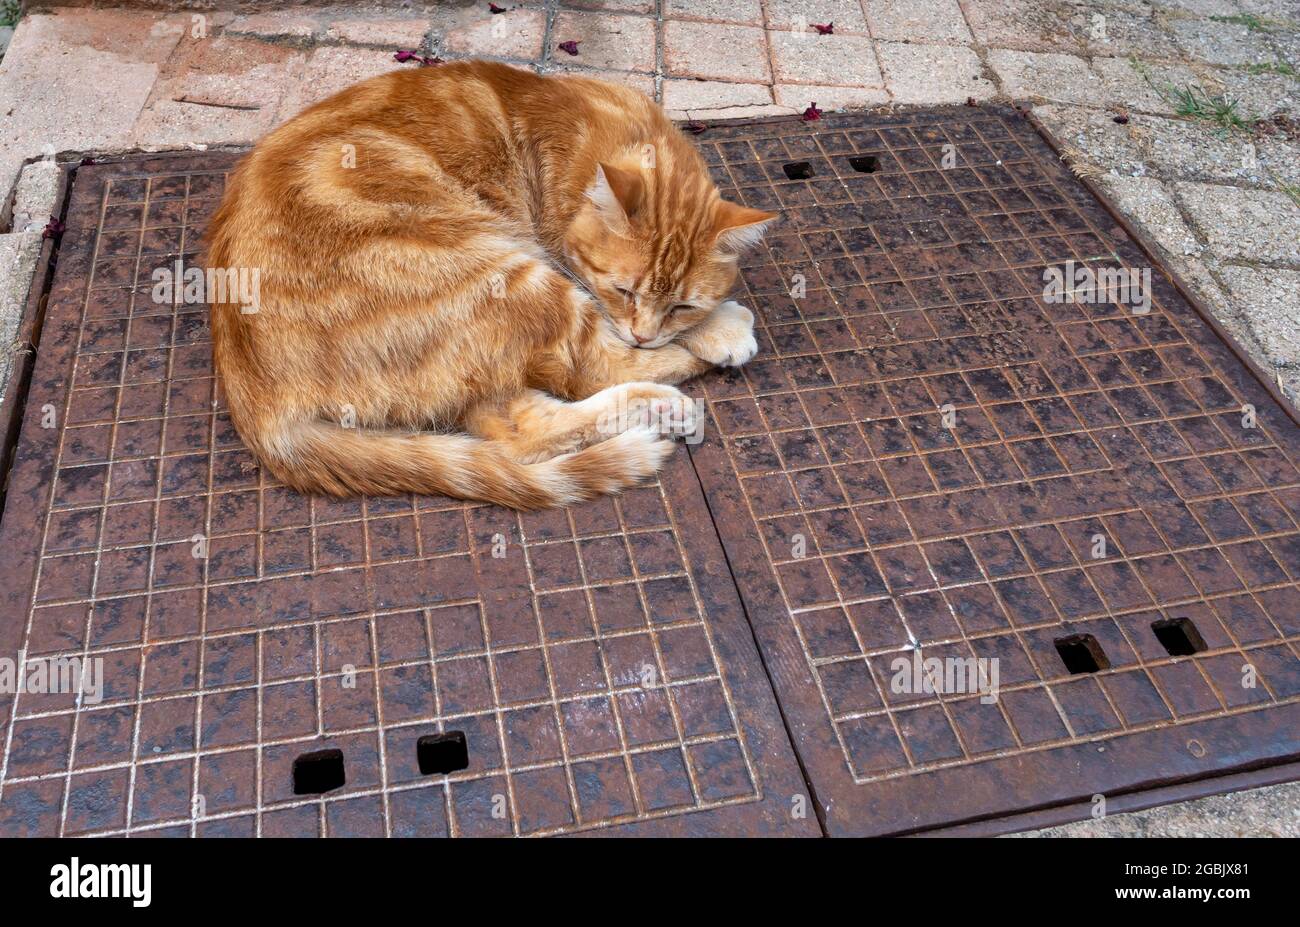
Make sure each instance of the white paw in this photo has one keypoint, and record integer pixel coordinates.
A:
(663, 409)
(725, 338)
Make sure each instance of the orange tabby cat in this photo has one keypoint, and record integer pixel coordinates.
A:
(418, 241)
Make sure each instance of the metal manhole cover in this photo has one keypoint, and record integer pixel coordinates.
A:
(934, 459)
(276, 665)
(928, 461)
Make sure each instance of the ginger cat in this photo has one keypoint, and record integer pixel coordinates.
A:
(473, 248)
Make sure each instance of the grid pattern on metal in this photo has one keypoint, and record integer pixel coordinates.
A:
(932, 456)
(241, 625)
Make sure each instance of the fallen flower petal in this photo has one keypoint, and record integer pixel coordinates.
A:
(812, 113)
(494, 9)
(824, 28)
(430, 61)
(403, 54)
(570, 46)
(53, 228)
(695, 128)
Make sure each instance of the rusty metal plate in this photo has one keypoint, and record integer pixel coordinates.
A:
(931, 455)
(275, 664)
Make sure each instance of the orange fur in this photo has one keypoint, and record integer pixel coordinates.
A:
(428, 245)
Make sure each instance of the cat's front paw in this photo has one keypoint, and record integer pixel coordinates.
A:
(725, 338)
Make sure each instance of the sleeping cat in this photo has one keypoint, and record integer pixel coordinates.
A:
(466, 273)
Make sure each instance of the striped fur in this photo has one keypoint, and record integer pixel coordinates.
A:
(461, 269)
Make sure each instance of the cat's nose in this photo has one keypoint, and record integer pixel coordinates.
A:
(639, 339)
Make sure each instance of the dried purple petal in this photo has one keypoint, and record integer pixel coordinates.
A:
(429, 61)
(494, 9)
(695, 128)
(1122, 119)
(53, 228)
(812, 113)
(824, 28)
(570, 46)
(406, 54)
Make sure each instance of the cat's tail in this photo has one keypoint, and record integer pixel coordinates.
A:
(323, 457)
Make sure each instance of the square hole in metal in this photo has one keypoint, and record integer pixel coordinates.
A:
(1081, 653)
(442, 753)
(1178, 636)
(319, 772)
(865, 164)
(798, 170)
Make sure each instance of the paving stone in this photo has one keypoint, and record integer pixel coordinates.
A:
(933, 22)
(1268, 812)
(712, 50)
(1281, 161)
(1048, 76)
(1257, 94)
(717, 99)
(222, 90)
(1146, 89)
(519, 33)
(330, 69)
(1221, 43)
(1257, 225)
(1146, 201)
(796, 97)
(1123, 32)
(292, 23)
(605, 40)
(805, 57)
(1267, 300)
(97, 64)
(642, 82)
(1198, 7)
(1095, 137)
(1287, 43)
(34, 196)
(845, 14)
(613, 6)
(749, 12)
(388, 31)
(1197, 150)
(1025, 25)
(1282, 10)
(19, 252)
(932, 73)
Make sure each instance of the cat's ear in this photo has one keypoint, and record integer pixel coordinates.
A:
(738, 228)
(616, 194)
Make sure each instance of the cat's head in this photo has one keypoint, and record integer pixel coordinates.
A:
(658, 246)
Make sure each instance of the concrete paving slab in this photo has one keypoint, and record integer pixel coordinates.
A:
(1148, 201)
(1254, 225)
(1267, 300)
(620, 43)
(1096, 139)
(693, 49)
(932, 22)
(1197, 150)
(809, 58)
(846, 15)
(745, 12)
(1025, 25)
(98, 64)
(916, 73)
